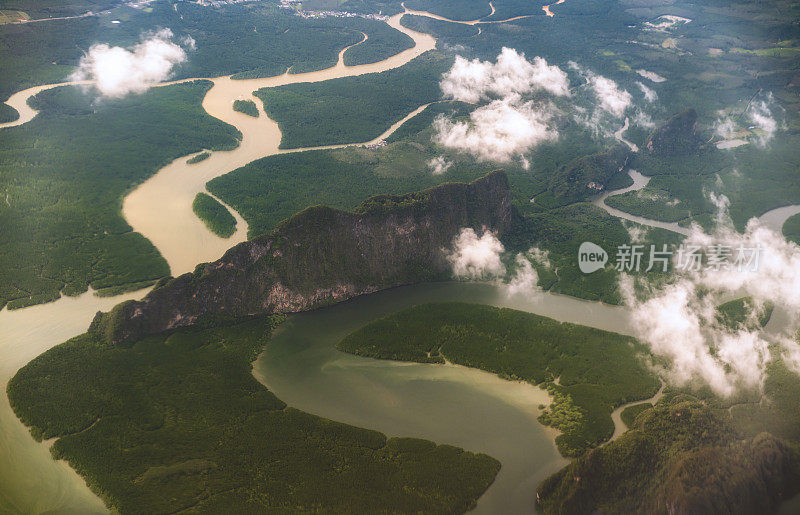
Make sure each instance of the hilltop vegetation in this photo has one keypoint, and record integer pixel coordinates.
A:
(742, 313)
(676, 137)
(177, 422)
(589, 372)
(64, 176)
(584, 177)
(216, 216)
(352, 109)
(679, 456)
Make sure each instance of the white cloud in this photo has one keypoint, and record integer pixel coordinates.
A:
(651, 76)
(511, 74)
(641, 119)
(761, 116)
(189, 42)
(608, 104)
(725, 128)
(499, 131)
(649, 94)
(611, 98)
(525, 279)
(539, 256)
(509, 125)
(117, 71)
(476, 257)
(438, 165)
(678, 320)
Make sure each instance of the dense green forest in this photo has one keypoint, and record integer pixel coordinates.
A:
(680, 456)
(352, 109)
(453, 9)
(37, 9)
(562, 230)
(216, 216)
(704, 71)
(268, 41)
(438, 28)
(743, 313)
(791, 229)
(376, 49)
(8, 113)
(652, 203)
(773, 410)
(583, 177)
(247, 107)
(589, 372)
(64, 176)
(177, 422)
(630, 413)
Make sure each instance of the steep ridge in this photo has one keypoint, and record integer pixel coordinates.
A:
(321, 256)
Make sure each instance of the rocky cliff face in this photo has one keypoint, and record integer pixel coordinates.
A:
(677, 137)
(321, 256)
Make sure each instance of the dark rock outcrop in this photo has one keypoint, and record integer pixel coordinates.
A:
(677, 137)
(321, 256)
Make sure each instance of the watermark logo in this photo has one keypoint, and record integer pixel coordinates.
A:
(637, 258)
(591, 257)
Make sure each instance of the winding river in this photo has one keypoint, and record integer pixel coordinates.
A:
(446, 403)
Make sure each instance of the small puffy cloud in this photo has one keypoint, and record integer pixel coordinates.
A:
(512, 74)
(525, 278)
(438, 165)
(725, 128)
(610, 97)
(641, 119)
(605, 105)
(476, 257)
(499, 131)
(539, 256)
(189, 42)
(651, 76)
(649, 94)
(480, 258)
(760, 114)
(117, 71)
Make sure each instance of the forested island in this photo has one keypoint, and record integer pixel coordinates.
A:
(177, 421)
(587, 371)
(216, 216)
